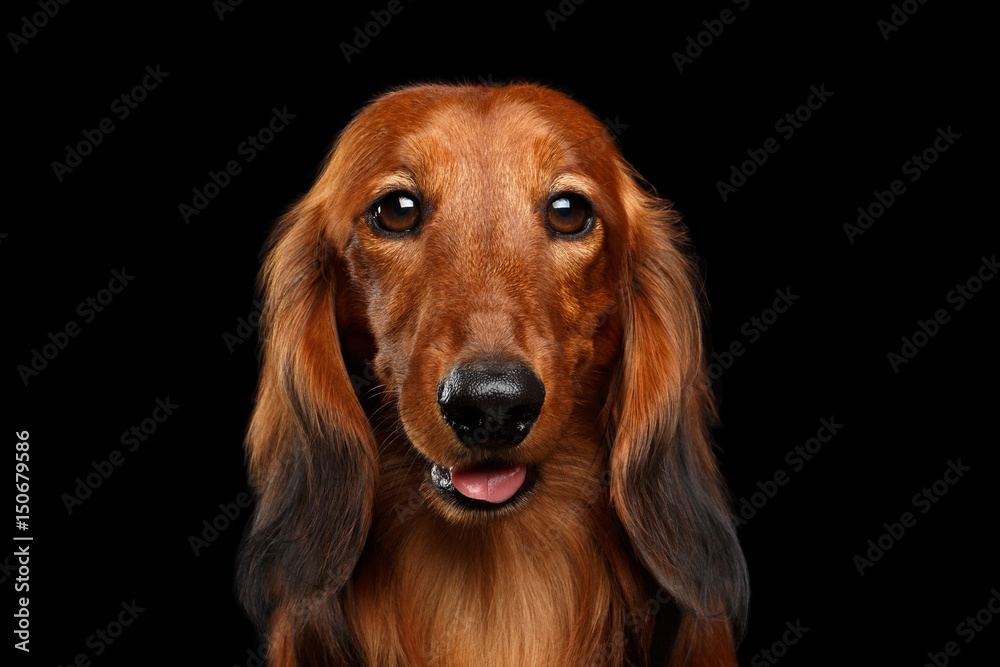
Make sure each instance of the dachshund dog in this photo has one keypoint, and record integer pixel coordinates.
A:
(482, 431)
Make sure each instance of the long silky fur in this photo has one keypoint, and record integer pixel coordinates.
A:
(666, 486)
(308, 438)
(659, 530)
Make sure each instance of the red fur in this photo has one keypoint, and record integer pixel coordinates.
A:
(624, 553)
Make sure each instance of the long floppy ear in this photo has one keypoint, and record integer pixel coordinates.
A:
(310, 449)
(665, 483)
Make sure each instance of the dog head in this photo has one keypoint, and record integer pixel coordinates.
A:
(530, 319)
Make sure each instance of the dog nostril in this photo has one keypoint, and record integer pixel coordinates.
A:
(491, 405)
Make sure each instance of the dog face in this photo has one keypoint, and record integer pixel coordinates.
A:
(533, 322)
(480, 256)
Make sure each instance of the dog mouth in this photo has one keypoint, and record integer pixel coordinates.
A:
(487, 486)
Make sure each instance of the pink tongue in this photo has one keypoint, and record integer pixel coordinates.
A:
(495, 485)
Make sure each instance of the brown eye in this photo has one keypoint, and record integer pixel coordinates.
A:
(396, 212)
(569, 214)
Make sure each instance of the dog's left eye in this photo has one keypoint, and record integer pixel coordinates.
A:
(396, 212)
(569, 214)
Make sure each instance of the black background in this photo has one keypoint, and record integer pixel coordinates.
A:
(162, 336)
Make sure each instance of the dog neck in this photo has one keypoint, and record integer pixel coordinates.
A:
(525, 589)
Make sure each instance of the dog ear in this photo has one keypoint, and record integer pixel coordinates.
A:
(665, 483)
(311, 453)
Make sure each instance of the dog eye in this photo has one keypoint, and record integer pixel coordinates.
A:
(396, 212)
(569, 214)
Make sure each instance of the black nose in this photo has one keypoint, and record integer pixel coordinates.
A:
(491, 405)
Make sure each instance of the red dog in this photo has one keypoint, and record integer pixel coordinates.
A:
(482, 430)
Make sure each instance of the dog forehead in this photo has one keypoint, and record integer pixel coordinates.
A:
(417, 103)
(517, 127)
